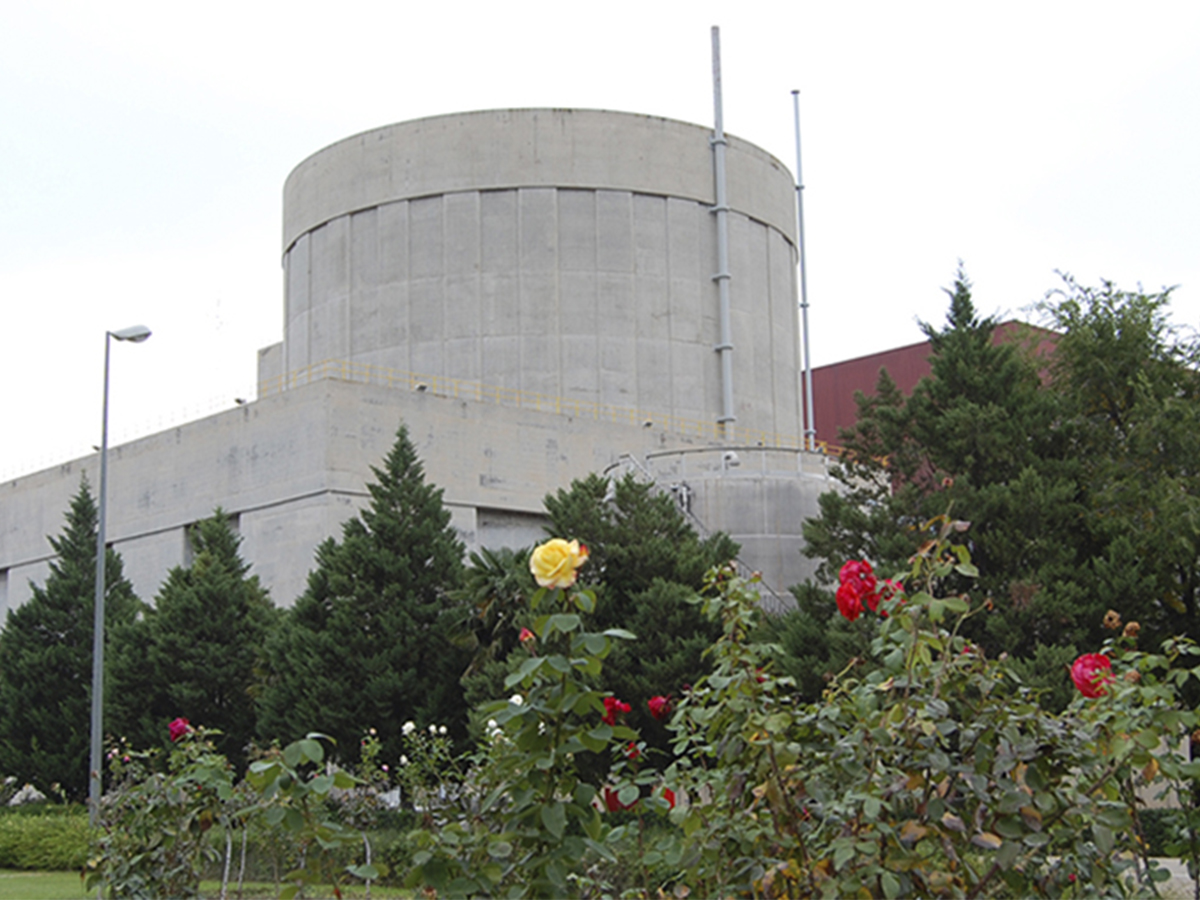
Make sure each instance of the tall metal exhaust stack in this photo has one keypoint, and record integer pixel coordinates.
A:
(810, 422)
(725, 345)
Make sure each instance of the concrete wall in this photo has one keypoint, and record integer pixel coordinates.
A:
(759, 496)
(566, 253)
(294, 466)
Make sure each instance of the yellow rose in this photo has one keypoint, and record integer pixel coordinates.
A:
(555, 563)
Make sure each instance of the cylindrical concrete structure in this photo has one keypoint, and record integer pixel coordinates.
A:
(570, 253)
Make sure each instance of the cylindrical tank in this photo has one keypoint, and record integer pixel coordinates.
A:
(570, 253)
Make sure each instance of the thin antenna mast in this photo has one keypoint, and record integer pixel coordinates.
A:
(725, 347)
(810, 422)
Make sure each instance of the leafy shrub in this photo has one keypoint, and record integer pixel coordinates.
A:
(55, 839)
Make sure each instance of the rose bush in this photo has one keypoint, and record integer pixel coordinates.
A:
(525, 822)
(931, 772)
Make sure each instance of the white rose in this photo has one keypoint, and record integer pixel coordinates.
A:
(516, 699)
(409, 727)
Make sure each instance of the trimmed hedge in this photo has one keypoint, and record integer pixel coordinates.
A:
(44, 841)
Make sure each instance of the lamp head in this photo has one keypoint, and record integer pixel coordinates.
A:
(135, 333)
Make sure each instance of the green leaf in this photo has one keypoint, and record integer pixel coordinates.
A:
(500, 849)
(554, 817)
(595, 643)
(891, 885)
(585, 601)
(526, 669)
(956, 604)
(293, 755)
(620, 633)
(312, 750)
(564, 622)
(968, 569)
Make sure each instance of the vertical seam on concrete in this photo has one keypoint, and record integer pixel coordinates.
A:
(408, 285)
(518, 208)
(348, 260)
(444, 293)
(771, 309)
(559, 379)
(597, 345)
(477, 267)
(669, 280)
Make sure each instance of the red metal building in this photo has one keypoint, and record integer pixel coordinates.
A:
(835, 385)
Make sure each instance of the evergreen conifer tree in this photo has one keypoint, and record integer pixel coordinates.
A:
(198, 652)
(979, 437)
(1076, 473)
(46, 659)
(367, 644)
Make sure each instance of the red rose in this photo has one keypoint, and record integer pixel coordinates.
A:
(179, 728)
(632, 751)
(669, 796)
(849, 600)
(1091, 672)
(614, 707)
(526, 635)
(613, 801)
(660, 707)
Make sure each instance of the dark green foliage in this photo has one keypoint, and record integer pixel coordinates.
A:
(816, 642)
(1046, 670)
(491, 608)
(197, 653)
(1131, 414)
(46, 659)
(645, 561)
(1077, 472)
(368, 643)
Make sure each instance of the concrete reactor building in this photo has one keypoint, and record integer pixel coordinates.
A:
(538, 294)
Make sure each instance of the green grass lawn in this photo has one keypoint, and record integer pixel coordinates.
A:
(68, 886)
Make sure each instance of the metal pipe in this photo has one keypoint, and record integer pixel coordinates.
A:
(722, 277)
(810, 422)
(95, 763)
(136, 334)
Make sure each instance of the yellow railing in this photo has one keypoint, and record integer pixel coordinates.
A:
(361, 373)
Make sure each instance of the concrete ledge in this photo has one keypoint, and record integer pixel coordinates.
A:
(516, 148)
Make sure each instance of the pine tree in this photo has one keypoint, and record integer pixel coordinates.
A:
(367, 645)
(977, 437)
(46, 659)
(197, 654)
(1077, 475)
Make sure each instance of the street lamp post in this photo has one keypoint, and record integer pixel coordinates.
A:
(136, 334)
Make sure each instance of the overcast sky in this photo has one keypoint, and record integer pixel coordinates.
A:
(143, 149)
